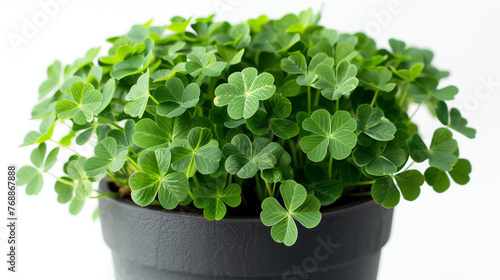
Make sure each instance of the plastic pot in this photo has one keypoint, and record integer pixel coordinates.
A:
(151, 243)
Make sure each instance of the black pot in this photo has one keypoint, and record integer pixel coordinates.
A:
(151, 243)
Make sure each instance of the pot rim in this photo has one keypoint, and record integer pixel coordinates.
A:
(104, 187)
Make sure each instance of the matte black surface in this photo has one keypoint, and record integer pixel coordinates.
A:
(158, 244)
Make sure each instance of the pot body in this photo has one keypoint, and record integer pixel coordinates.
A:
(152, 244)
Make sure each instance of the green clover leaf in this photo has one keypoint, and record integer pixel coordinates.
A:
(334, 84)
(54, 77)
(138, 96)
(135, 65)
(299, 206)
(424, 88)
(45, 132)
(243, 91)
(440, 181)
(200, 152)
(453, 119)
(296, 64)
(284, 41)
(107, 156)
(442, 152)
(161, 132)
(335, 133)
(214, 198)
(326, 190)
(238, 36)
(245, 158)
(373, 123)
(154, 179)
(378, 79)
(278, 108)
(175, 99)
(380, 158)
(385, 192)
(31, 176)
(408, 74)
(86, 101)
(202, 63)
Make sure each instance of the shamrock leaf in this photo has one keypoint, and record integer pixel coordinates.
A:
(45, 132)
(135, 65)
(284, 41)
(442, 151)
(107, 156)
(76, 172)
(54, 76)
(169, 52)
(326, 190)
(408, 74)
(202, 63)
(175, 99)
(299, 206)
(334, 84)
(344, 51)
(334, 132)
(373, 123)
(154, 179)
(32, 176)
(453, 119)
(380, 158)
(213, 200)
(238, 36)
(296, 64)
(149, 133)
(138, 96)
(424, 88)
(378, 79)
(230, 54)
(278, 108)
(199, 152)
(243, 92)
(385, 192)
(64, 189)
(86, 101)
(440, 181)
(245, 158)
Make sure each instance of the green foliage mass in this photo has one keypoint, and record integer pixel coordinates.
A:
(270, 111)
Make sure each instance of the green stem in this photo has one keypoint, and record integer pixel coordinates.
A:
(133, 162)
(294, 152)
(403, 94)
(374, 98)
(409, 166)
(66, 147)
(316, 99)
(61, 179)
(103, 194)
(268, 188)
(414, 113)
(337, 105)
(274, 188)
(109, 122)
(330, 165)
(197, 184)
(152, 98)
(110, 174)
(309, 99)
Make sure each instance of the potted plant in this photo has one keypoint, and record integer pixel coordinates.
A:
(215, 143)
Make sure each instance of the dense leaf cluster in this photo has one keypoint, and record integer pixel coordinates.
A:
(201, 111)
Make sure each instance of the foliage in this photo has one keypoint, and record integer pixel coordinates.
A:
(270, 112)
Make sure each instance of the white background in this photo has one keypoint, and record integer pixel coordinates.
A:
(450, 236)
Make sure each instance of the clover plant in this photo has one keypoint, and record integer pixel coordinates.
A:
(279, 117)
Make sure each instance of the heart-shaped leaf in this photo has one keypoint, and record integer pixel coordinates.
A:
(334, 134)
(298, 206)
